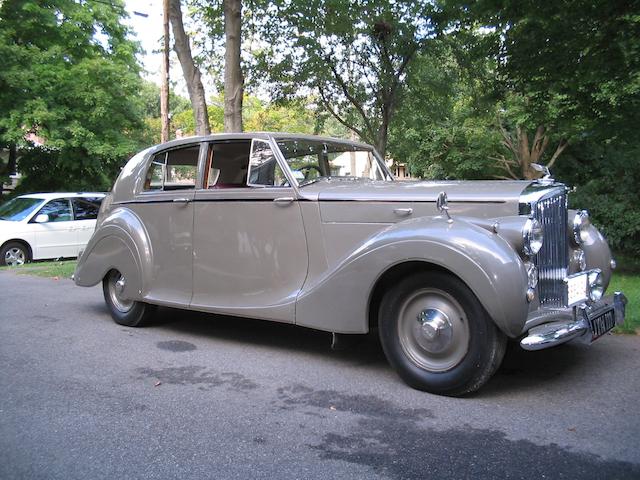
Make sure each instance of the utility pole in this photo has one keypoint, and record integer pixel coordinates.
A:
(164, 87)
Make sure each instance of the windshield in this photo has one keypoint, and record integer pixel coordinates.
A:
(311, 160)
(19, 208)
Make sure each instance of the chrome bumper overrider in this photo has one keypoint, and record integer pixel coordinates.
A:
(587, 322)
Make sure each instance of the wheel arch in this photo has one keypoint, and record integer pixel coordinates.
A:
(21, 241)
(393, 274)
(120, 243)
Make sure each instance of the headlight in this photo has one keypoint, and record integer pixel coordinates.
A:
(533, 236)
(596, 285)
(580, 224)
(532, 274)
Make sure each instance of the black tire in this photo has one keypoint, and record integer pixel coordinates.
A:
(129, 313)
(454, 347)
(14, 252)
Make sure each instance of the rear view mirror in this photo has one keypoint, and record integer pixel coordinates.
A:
(42, 218)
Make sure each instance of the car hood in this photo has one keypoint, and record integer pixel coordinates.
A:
(476, 191)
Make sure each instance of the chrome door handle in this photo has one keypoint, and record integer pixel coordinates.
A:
(403, 212)
(283, 200)
(181, 200)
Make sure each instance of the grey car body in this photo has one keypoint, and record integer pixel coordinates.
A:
(325, 252)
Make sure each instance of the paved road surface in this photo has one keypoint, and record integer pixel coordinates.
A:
(198, 396)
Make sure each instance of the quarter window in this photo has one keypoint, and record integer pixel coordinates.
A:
(173, 170)
(263, 166)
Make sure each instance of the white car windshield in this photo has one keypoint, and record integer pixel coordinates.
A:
(311, 160)
(19, 208)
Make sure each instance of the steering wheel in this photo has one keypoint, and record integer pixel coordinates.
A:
(306, 169)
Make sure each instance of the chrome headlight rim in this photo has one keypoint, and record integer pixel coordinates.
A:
(596, 285)
(532, 236)
(581, 222)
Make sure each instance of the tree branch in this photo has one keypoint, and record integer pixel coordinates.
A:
(327, 105)
(561, 146)
(351, 98)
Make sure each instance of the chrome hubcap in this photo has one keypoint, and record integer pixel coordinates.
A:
(117, 283)
(14, 256)
(433, 330)
(436, 331)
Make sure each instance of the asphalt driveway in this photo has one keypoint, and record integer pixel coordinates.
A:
(200, 396)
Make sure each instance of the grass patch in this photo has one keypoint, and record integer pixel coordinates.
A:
(55, 269)
(629, 284)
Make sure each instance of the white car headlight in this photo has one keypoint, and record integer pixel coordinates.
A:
(580, 224)
(533, 236)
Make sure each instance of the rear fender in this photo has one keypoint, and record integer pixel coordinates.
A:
(121, 242)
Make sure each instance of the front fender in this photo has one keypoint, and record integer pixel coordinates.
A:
(339, 300)
(121, 242)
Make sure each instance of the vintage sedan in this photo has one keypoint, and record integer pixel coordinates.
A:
(316, 232)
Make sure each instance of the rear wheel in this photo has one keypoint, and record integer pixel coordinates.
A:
(14, 254)
(437, 335)
(127, 312)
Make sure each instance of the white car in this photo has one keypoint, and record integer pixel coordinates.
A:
(46, 225)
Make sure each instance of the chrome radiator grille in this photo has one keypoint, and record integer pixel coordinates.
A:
(553, 258)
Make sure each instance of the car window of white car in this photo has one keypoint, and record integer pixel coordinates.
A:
(58, 210)
(85, 210)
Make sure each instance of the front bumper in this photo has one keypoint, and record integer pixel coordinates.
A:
(584, 322)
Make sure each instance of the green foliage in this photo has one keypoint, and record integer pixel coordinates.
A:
(606, 179)
(630, 285)
(70, 75)
(446, 126)
(576, 61)
(47, 170)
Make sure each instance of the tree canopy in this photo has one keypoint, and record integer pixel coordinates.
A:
(70, 75)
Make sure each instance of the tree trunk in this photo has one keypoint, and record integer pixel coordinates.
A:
(164, 84)
(233, 81)
(519, 167)
(189, 69)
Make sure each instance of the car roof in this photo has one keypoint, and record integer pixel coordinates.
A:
(54, 195)
(249, 135)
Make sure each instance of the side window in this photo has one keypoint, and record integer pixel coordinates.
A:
(228, 164)
(263, 166)
(58, 210)
(84, 209)
(173, 170)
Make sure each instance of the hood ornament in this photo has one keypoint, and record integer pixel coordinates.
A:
(546, 177)
(442, 205)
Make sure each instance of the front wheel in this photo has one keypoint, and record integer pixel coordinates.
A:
(14, 254)
(438, 336)
(124, 311)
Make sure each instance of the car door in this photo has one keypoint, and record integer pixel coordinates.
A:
(57, 237)
(85, 212)
(165, 207)
(250, 252)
